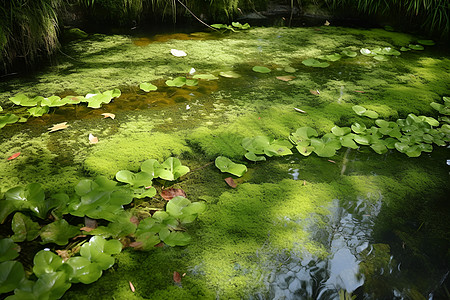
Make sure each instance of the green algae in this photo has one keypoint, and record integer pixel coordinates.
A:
(269, 213)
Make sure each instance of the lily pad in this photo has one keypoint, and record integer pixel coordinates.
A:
(331, 57)
(99, 251)
(381, 58)
(53, 101)
(46, 262)
(290, 69)
(224, 164)
(81, 269)
(135, 179)
(404, 49)
(340, 131)
(8, 119)
(184, 210)
(24, 100)
(178, 81)
(366, 52)
(24, 228)
(172, 169)
(58, 232)
(253, 157)
(349, 53)
(147, 87)
(38, 111)
(8, 249)
(416, 47)
(311, 62)
(11, 276)
(260, 69)
(174, 238)
(359, 110)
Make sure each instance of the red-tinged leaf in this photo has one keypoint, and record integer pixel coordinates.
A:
(168, 194)
(15, 155)
(331, 161)
(132, 287)
(360, 91)
(176, 277)
(87, 229)
(231, 182)
(134, 220)
(136, 245)
(160, 245)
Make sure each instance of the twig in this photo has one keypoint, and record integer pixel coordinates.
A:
(196, 16)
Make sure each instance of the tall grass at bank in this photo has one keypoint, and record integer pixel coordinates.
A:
(432, 15)
(28, 29)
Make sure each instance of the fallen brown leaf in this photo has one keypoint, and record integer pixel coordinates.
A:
(231, 182)
(108, 115)
(59, 126)
(87, 229)
(64, 254)
(176, 277)
(93, 139)
(135, 245)
(331, 161)
(315, 92)
(134, 220)
(285, 78)
(168, 194)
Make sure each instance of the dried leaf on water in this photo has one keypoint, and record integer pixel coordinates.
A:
(176, 277)
(299, 110)
(315, 92)
(177, 53)
(93, 139)
(15, 155)
(108, 115)
(59, 126)
(286, 78)
(231, 182)
(326, 23)
(132, 287)
(170, 193)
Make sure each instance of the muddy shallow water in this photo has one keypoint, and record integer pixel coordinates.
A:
(373, 226)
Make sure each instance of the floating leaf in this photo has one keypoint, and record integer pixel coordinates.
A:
(58, 232)
(229, 74)
(93, 139)
(379, 148)
(81, 269)
(14, 156)
(8, 250)
(38, 111)
(177, 53)
(8, 119)
(331, 57)
(147, 87)
(135, 179)
(191, 82)
(170, 193)
(315, 92)
(59, 126)
(381, 58)
(285, 78)
(99, 251)
(231, 182)
(109, 115)
(11, 276)
(46, 262)
(426, 42)
(174, 238)
(404, 49)
(359, 110)
(24, 228)
(311, 62)
(131, 287)
(416, 47)
(290, 69)
(253, 157)
(178, 81)
(53, 101)
(349, 53)
(23, 100)
(260, 69)
(224, 164)
(367, 52)
(340, 131)
(371, 114)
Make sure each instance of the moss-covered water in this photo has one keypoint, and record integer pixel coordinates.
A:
(374, 225)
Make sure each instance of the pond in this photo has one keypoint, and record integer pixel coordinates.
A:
(307, 219)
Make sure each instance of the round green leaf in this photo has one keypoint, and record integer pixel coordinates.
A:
(46, 262)
(58, 232)
(11, 276)
(359, 110)
(340, 131)
(260, 69)
(224, 164)
(8, 249)
(80, 269)
(147, 87)
(371, 114)
(229, 74)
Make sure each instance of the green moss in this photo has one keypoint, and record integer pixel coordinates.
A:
(134, 142)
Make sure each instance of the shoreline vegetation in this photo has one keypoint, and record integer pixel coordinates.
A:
(31, 31)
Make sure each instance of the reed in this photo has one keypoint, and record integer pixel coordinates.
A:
(433, 15)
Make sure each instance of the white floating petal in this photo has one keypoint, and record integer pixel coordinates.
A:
(177, 53)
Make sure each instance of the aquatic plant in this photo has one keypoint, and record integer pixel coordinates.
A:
(260, 69)
(8, 119)
(170, 169)
(361, 111)
(38, 111)
(263, 145)
(224, 164)
(232, 27)
(96, 99)
(311, 62)
(181, 81)
(147, 87)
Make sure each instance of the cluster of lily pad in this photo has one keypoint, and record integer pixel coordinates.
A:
(40, 105)
(411, 136)
(233, 27)
(379, 53)
(94, 199)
